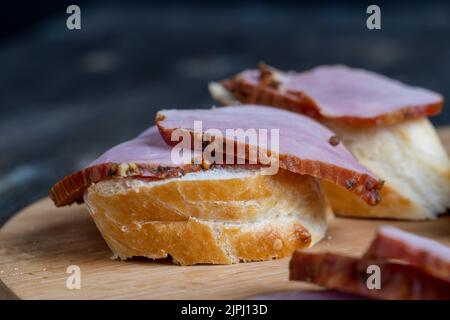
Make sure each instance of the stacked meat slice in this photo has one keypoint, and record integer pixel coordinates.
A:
(410, 267)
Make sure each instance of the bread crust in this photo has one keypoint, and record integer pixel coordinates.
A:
(246, 217)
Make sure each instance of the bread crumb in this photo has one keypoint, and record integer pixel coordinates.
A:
(132, 166)
(123, 168)
(206, 164)
(277, 244)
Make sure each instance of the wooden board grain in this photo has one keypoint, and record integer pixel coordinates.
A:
(41, 242)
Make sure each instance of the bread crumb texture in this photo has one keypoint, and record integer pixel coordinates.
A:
(409, 157)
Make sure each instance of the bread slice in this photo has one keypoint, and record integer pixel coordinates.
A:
(409, 157)
(219, 216)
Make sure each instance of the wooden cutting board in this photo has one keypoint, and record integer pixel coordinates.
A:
(39, 243)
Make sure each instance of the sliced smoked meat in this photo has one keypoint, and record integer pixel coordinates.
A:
(305, 146)
(335, 92)
(349, 274)
(427, 254)
(146, 156)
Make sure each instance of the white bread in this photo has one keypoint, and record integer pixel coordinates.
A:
(409, 157)
(220, 94)
(219, 216)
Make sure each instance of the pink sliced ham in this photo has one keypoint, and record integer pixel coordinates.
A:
(427, 254)
(146, 156)
(335, 92)
(349, 274)
(305, 146)
(411, 267)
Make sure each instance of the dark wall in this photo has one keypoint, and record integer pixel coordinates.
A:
(66, 96)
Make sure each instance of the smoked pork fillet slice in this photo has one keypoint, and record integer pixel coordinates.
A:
(334, 92)
(427, 254)
(146, 156)
(305, 146)
(348, 274)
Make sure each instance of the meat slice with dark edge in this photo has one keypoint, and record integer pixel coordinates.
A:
(304, 144)
(335, 93)
(349, 274)
(146, 156)
(427, 254)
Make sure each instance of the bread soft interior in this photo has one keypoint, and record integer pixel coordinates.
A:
(221, 216)
(409, 157)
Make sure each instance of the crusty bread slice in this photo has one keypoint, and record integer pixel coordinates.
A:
(409, 157)
(219, 216)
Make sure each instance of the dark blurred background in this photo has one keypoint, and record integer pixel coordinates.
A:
(66, 96)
